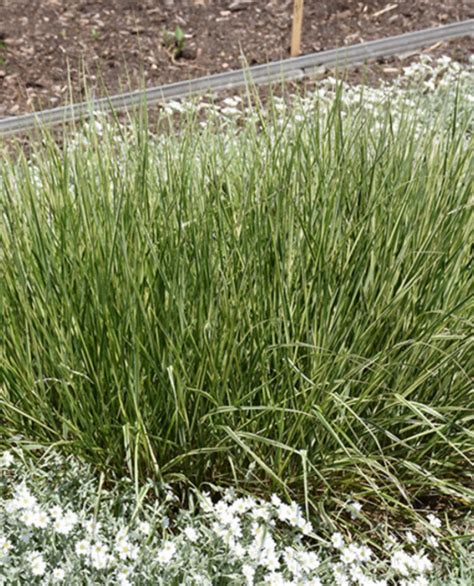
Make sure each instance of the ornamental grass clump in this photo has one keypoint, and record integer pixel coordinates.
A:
(279, 302)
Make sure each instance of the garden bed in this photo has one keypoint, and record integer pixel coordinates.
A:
(264, 308)
(47, 44)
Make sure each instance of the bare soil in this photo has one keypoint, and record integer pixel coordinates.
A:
(50, 48)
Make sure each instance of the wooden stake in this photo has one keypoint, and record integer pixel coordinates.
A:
(296, 31)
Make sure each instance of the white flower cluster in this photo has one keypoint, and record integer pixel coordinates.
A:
(409, 568)
(247, 539)
(6, 459)
(437, 78)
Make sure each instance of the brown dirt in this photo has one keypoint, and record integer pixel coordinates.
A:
(113, 45)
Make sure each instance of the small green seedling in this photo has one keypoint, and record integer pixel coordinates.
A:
(3, 47)
(174, 42)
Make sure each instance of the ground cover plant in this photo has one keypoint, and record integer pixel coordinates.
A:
(59, 524)
(279, 301)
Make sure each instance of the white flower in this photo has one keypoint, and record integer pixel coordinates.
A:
(123, 580)
(337, 540)
(292, 562)
(125, 549)
(430, 85)
(306, 528)
(357, 574)
(223, 532)
(356, 554)
(391, 541)
(98, 127)
(237, 549)
(144, 527)
(170, 496)
(99, 555)
(270, 560)
(349, 554)
(28, 517)
(261, 513)
(248, 572)
(399, 562)
(444, 60)
(25, 536)
(206, 502)
(10, 506)
(263, 546)
(92, 527)
(23, 499)
(431, 540)
(37, 564)
(191, 534)
(299, 562)
(123, 576)
(410, 537)
(355, 508)
(40, 519)
(224, 513)
(276, 579)
(292, 514)
(309, 561)
(420, 564)
(340, 577)
(7, 459)
(58, 574)
(56, 512)
(264, 553)
(174, 106)
(260, 531)
(243, 505)
(365, 553)
(235, 527)
(166, 553)
(233, 101)
(5, 547)
(121, 534)
(231, 111)
(276, 500)
(434, 521)
(64, 524)
(83, 547)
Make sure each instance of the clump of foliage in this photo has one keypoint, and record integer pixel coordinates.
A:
(279, 301)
